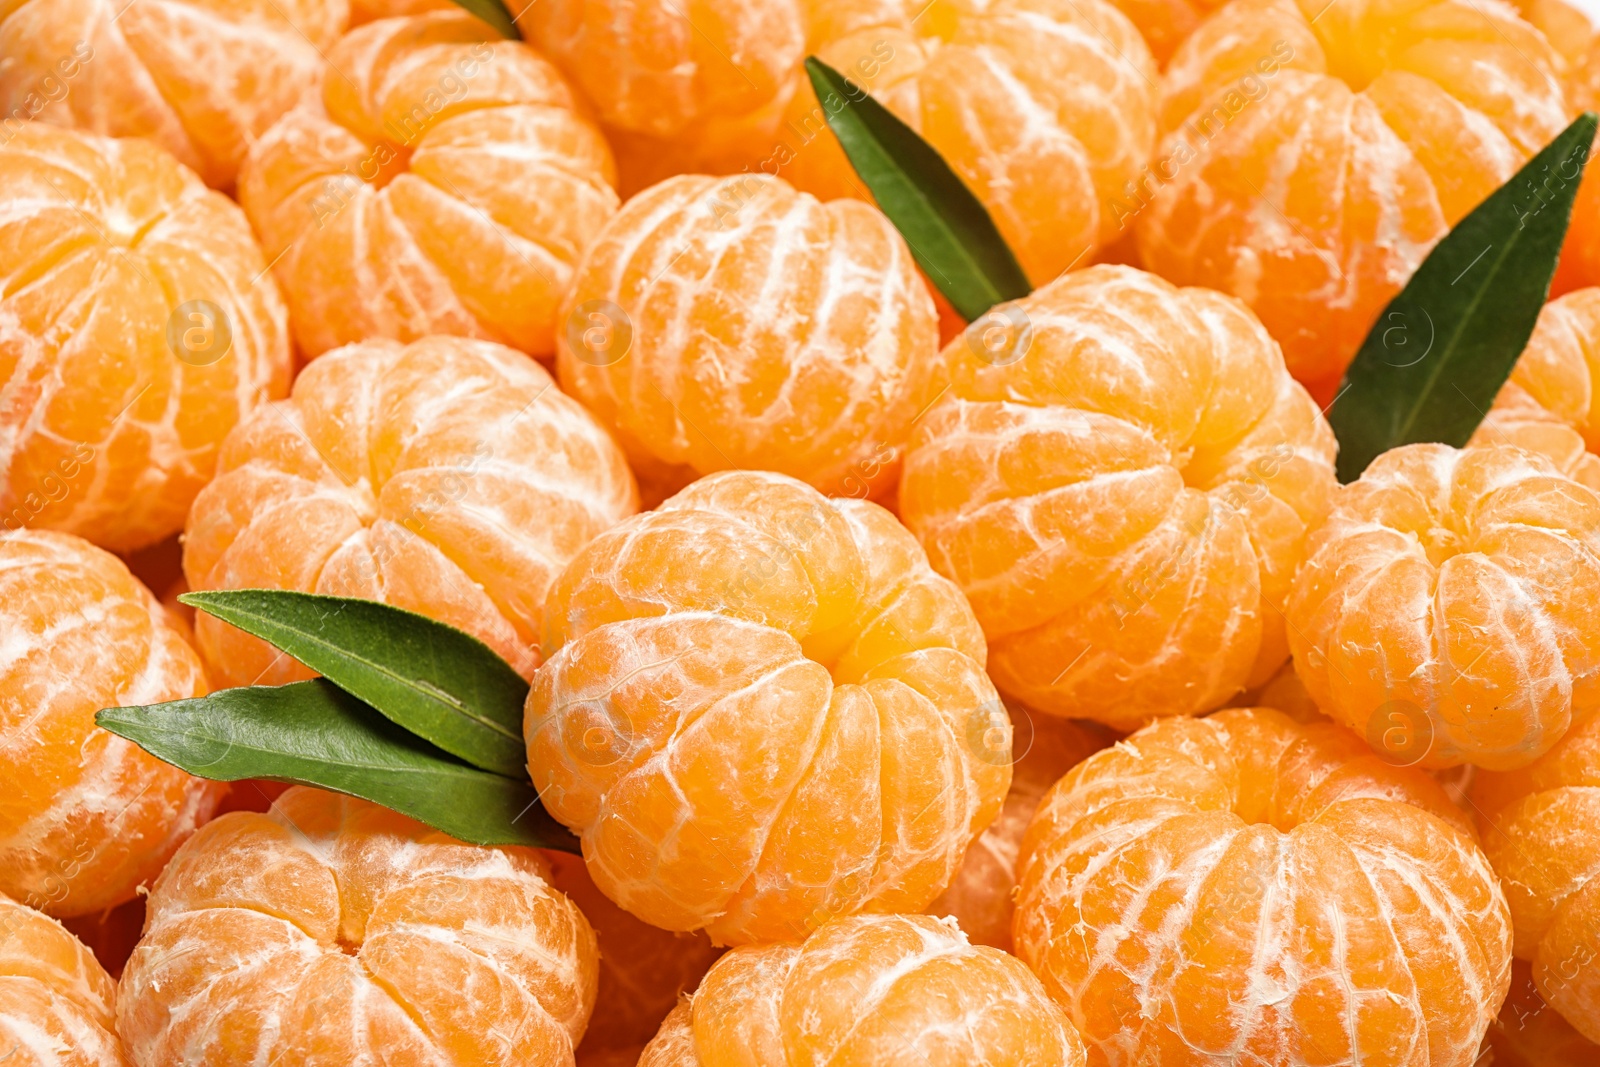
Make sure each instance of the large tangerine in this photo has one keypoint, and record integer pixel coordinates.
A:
(56, 1002)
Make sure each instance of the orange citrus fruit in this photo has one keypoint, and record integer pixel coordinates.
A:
(203, 80)
(332, 931)
(1242, 888)
(724, 323)
(1314, 152)
(1165, 23)
(868, 991)
(1121, 477)
(981, 82)
(137, 325)
(981, 895)
(1529, 1033)
(449, 477)
(1580, 255)
(643, 970)
(760, 709)
(86, 817)
(690, 87)
(56, 1003)
(434, 179)
(626, 1056)
(1564, 25)
(1446, 609)
(1540, 836)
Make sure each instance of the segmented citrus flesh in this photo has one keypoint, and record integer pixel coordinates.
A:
(56, 1003)
(868, 991)
(330, 930)
(436, 178)
(1446, 608)
(761, 709)
(449, 477)
(1120, 476)
(86, 818)
(1242, 888)
(137, 326)
(1530, 1033)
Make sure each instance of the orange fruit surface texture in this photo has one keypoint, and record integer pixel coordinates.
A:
(330, 931)
(1551, 404)
(1540, 836)
(137, 326)
(85, 817)
(1530, 1033)
(1242, 888)
(721, 323)
(982, 83)
(643, 970)
(981, 895)
(1446, 609)
(868, 991)
(201, 78)
(56, 1003)
(760, 709)
(435, 178)
(449, 477)
(1121, 476)
(1313, 153)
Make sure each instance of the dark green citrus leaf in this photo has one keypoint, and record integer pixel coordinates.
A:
(1438, 354)
(313, 733)
(443, 685)
(495, 14)
(951, 235)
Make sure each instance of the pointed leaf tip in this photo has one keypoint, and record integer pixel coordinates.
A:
(495, 14)
(1438, 355)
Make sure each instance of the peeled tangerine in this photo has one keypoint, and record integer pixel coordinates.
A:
(1121, 477)
(761, 709)
(1540, 835)
(56, 1001)
(86, 818)
(434, 179)
(449, 477)
(137, 326)
(1049, 156)
(1242, 888)
(1447, 608)
(868, 991)
(734, 322)
(203, 80)
(330, 931)
(1314, 152)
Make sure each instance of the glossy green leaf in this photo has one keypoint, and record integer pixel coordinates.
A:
(1438, 354)
(313, 733)
(495, 14)
(951, 235)
(443, 685)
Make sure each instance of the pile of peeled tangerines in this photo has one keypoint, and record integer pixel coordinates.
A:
(917, 693)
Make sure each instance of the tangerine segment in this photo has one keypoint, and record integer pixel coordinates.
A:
(1451, 597)
(201, 78)
(981, 82)
(1540, 837)
(56, 1002)
(136, 327)
(332, 931)
(1314, 153)
(643, 970)
(435, 179)
(981, 896)
(448, 476)
(868, 991)
(734, 322)
(86, 818)
(1244, 888)
(1530, 1033)
(760, 708)
(1580, 255)
(1120, 476)
(1551, 403)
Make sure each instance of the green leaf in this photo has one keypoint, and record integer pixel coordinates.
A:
(313, 733)
(495, 14)
(951, 235)
(1438, 354)
(443, 685)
